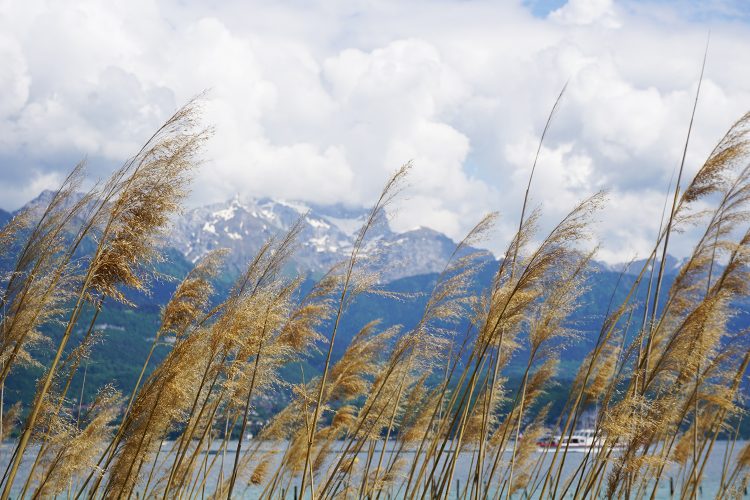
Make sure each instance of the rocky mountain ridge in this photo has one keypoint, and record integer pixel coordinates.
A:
(328, 233)
(327, 236)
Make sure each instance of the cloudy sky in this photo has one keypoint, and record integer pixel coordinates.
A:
(319, 102)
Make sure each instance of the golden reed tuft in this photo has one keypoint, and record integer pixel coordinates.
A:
(668, 383)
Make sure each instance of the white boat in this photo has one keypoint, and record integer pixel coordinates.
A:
(581, 440)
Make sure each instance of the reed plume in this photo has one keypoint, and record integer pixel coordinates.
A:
(43, 273)
(75, 452)
(401, 406)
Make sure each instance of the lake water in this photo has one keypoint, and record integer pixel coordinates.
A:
(709, 485)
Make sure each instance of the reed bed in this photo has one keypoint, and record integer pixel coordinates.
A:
(390, 417)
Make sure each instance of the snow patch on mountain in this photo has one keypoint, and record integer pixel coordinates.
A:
(326, 238)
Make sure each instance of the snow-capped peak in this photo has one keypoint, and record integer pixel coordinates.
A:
(327, 236)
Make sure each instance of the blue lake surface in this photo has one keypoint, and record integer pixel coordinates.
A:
(709, 486)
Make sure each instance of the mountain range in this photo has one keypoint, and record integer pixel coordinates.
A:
(409, 263)
(327, 235)
(326, 238)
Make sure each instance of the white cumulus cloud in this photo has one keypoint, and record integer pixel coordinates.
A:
(321, 101)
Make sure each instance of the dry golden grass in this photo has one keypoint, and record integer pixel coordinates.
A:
(668, 384)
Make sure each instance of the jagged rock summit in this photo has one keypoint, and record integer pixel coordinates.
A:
(328, 234)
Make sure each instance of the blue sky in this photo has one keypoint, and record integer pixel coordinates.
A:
(542, 8)
(320, 101)
(700, 11)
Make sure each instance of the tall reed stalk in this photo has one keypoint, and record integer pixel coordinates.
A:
(398, 413)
